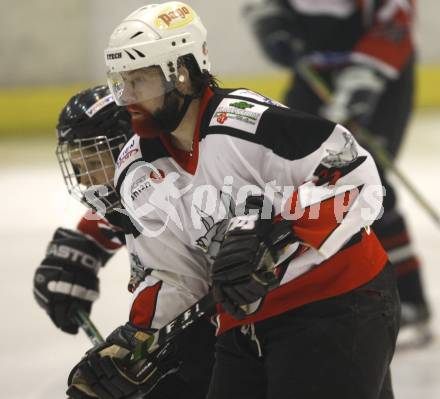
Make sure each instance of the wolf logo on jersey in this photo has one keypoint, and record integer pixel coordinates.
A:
(215, 231)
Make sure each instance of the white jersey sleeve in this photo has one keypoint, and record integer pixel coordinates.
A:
(336, 191)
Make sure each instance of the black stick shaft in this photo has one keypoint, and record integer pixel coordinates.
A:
(203, 307)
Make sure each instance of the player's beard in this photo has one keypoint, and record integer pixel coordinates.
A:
(164, 120)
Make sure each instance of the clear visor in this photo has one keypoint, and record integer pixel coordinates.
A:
(138, 85)
(88, 167)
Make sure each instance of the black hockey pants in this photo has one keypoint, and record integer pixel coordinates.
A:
(197, 356)
(339, 348)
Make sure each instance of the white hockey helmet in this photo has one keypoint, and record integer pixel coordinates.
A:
(153, 35)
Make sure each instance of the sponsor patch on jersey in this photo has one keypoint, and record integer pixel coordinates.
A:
(129, 153)
(139, 186)
(256, 96)
(238, 114)
(152, 175)
(174, 17)
(100, 104)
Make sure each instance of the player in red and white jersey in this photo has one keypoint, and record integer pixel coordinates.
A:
(375, 34)
(272, 148)
(364, 51)
(267, 206)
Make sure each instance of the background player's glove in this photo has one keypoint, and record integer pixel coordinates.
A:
(277, 31)
(243, 271)
(357, 89)
(109, 371)
(66, 278)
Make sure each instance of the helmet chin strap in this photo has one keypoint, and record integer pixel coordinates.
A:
(170, 116)
(166, 120)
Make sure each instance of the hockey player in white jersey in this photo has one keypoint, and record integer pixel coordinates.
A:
(321, 324)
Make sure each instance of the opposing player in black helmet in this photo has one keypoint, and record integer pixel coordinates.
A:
(91, 131)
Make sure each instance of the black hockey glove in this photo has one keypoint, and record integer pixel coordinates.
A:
(109, 371)
(243, 271)
(66, 278)
(357, 90)
(277, 31)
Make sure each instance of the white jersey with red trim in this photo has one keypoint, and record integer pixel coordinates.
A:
(179, 203)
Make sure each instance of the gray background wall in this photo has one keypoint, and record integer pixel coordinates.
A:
(57, 42)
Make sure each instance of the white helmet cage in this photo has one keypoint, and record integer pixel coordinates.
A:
(155, 35)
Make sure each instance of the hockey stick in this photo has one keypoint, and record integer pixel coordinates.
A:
(84, 322)
(382, 156)
(203, 307)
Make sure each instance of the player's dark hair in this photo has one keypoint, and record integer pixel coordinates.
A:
(199, 79)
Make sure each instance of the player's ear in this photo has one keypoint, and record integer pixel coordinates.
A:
(183, 82)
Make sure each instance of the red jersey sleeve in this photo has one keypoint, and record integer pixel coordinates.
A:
(97, 229)
(388, 44)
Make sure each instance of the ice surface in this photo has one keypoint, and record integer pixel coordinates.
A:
(36, 358)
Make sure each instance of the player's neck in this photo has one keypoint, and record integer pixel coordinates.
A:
(182, 137)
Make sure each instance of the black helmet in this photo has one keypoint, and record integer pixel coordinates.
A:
(90, 113)
(91, 132)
